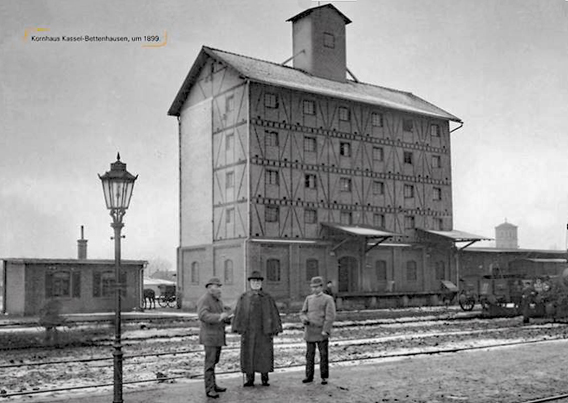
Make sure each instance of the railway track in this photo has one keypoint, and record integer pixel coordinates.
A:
(160, 359)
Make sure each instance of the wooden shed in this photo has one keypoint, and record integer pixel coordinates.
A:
(79, 285)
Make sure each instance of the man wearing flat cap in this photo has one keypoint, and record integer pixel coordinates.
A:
(257, 320)
(317, 315)
(213, 317)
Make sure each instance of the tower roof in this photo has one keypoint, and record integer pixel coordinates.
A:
(311, 10)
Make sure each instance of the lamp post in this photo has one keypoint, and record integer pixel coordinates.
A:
(118, 184)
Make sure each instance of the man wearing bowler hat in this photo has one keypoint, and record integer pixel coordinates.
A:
(213, 317)
(257, 320)
(317, 315)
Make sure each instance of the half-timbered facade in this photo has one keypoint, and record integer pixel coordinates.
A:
(298, 171)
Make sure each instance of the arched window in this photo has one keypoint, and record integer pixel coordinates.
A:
(411, 271)
(195, 273)
(228, 272)
(312, 268)
(273, 270)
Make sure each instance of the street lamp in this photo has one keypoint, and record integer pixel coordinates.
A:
(117, 187)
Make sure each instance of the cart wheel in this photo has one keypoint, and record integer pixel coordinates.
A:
(172, 302)
(162, 301)
(466, 302)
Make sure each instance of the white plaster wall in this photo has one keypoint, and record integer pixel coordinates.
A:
(196, 196)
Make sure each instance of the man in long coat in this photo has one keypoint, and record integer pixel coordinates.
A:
(257, 320)
(213, 317)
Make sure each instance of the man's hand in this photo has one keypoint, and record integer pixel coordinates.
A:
(224, 316)
(325, 334)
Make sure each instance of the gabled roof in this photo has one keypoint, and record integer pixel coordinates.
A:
(311, 10)
(288, 77)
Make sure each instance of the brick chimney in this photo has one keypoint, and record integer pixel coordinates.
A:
(318, 41)
(81, 247)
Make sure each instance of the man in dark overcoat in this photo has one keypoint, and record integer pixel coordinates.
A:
(213, 317)
(257, 320)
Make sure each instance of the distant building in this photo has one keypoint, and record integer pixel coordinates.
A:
(506, 236)
(80, 285)
(299, 171)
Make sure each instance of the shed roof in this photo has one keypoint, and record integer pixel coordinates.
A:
(458, 236)
(288, 77)
(73, 261)
(361, 230)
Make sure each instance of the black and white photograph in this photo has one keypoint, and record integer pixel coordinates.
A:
(358, 200)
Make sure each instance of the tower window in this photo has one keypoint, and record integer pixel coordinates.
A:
(328, 40)
(408, 125)
(271, 138)
(409, 222)
(436, 161)
(310, 181)
(271, 214)
(310, 216)
(344, 114)
(379, 220)
(229, 103)
(435, 130)
(378, 188)
(309, 144)
(408, 191)
(230, 180)
(272, 177)
(377, 119)
(346, 218)
(270, 100)
(345, 149)
(407, 157)
(309, 107)
(378, 154)
(345, 184)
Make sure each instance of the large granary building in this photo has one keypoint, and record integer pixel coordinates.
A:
(299, 171)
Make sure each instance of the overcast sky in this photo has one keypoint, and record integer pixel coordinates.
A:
(66, 108)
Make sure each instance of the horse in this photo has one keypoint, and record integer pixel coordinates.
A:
(150, 298)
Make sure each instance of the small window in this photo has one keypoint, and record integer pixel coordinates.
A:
(271, 214)
(328, 40)
(378, 188)
(229, 140)
(58, 284)
(229, 103)
(381, 269)
(435, 130)
(378, 154)
(437, 193)
(230, 218)
(272, 177)
(312, 269)
(345, 184)
(230, 180)
(310, 216)
(411, 271)
(440, 270)
(271, 138)
(407, 125)
(103, 284)
(270, 100)
(195, 273)
(309, 144)
(310, 181)
(408, 191)
(228, 272)
(344, 114)
(436, 161)
(377, 119)
(345, 149)
(379, 220)
(439, 224)
(409, 222)
(273, 270)
(407, 157)
(346, 218)
(309, 107)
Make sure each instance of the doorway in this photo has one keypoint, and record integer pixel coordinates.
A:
(348, 274)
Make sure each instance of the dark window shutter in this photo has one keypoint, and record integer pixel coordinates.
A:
(76, 284)
(48, 285)
(96, 284)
